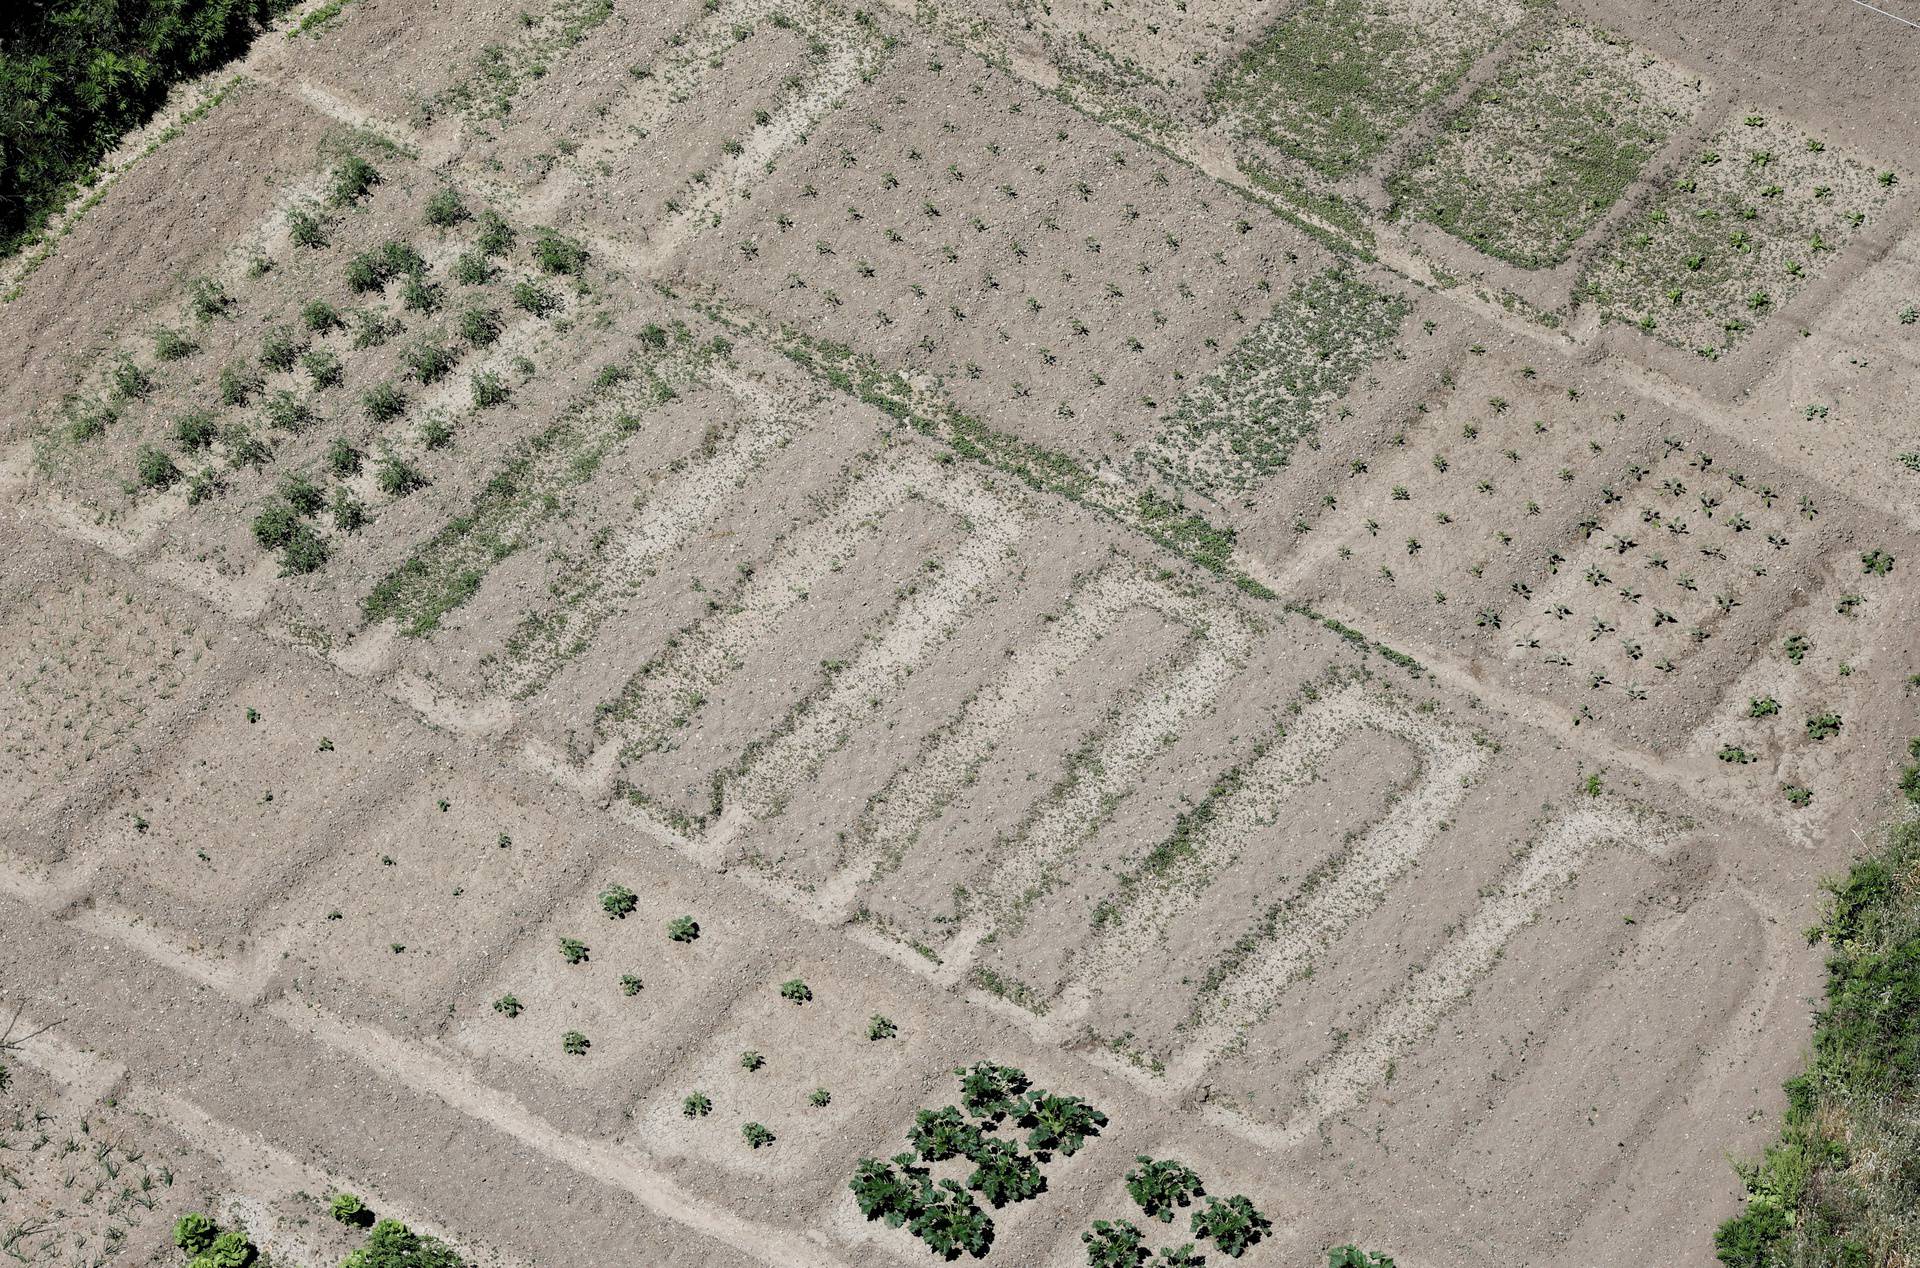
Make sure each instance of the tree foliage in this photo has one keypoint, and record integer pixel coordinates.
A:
(77, 75)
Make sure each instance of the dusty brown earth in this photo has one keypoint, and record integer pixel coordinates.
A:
(1000, 513)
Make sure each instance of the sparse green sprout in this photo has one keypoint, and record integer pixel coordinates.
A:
(795, 991)
(1797, 646)
(574, 1044)
(1354, 1257)
(207, 299)
(819, 1098)
(1233, 1224)
(1762, 706)
(1158, 1186)
(1735, 755)
(697, 1105)
(751, 1061)
(757, 1136)
(305, 229)
(683, 929)
(879, 1027)
(573, 951)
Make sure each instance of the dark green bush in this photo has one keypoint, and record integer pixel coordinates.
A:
(944, 1133)
(280, 348)
(1002, 1174)
(1060, 1123)
(496, 235)
(1232, 1223)
(992, 1091)
(1114, 1244)
(319, 316)
(1160, 1186)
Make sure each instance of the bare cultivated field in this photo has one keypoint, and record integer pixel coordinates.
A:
(612, 614)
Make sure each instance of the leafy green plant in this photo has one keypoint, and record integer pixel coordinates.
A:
(341, 457)
(170, 345)
(383, 402)
(320, 317)
(796, 991)
(992, 1091)
(1876, 563)
(819, 1098)
(557, 254)
(496, 235)
(351, 181)
(575, 1044)
(531, 297)
(573, 951)
(1823, 726)
(696, 1105)
(444, 208)
(751, 1060)
(950, 1222)
(1003, 1174)
(428, 362)
(1354, 1257)
(153, 469)
(683, 929)
(879, 1028)
(489, 389)
(1233, 1224)
(480, 327)
(350, 1210)
(756, 1135)
(1157, 1187)
(195, 430)
(194, 1232)
(944, 1133)
(884, 1193)
(392, 1244)
(1114, 1244)
(397, 477)
(1061, 1123)
(129, 381)
(618, 901)
(630, 984)
(1797, 646)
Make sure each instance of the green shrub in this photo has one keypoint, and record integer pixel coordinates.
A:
(129, 381)
(480, 327)
(530, 296)
(342, 458)
(473, 269)
(795, 991)
(489, 389)
(444, 208)
(396, 477)
(1157, 1187)
(573, 951)
(1233, 1224)
(351, 181)
(323, 368)
(575, 1044)
(288, 412)
(244, 449)
(304, 229)
(274, 526)
(496, 235)
(372, 329)
(383, 402)
(683, 929)
(302, 494)
(618, 901)
(697, 1105)
(435, 431)
(1114, 1244)
(757, 1136)
(366, 272)
(153, 469)
(319, 316)
(882, 1193)
(559, 255)
(170, 345)
(428, 362)
(195, 430)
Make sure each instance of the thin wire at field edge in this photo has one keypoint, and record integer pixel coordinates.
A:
(1883, 13)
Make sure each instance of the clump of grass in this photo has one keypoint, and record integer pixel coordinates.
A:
(496, 235)
(238, 383)
(428, 362)
(323, 368)
(473, 269)
(342, 458)
(128, 381)
(280, 348)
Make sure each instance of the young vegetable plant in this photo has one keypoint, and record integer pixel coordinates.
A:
(1233, 1224)
(618, 902)
(683, 929)
(696, 1105)
(795, 991)
(757, 1136)
(1160, 1186)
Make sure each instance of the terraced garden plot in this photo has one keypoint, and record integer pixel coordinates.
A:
(1535, 158)
(1034, 271)
(1733, 233)
(1329, 85)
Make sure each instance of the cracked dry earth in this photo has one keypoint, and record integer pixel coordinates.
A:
(994, 511)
